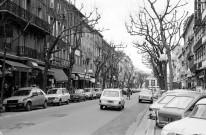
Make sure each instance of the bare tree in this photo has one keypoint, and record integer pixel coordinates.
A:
(141, 76)
(160, 29)
(72, 30)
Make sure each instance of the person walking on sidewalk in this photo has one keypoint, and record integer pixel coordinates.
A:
(128, 92)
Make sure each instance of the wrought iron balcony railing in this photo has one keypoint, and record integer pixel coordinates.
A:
(30, 53)
(20, 12)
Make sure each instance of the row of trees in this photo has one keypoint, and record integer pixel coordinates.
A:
(161, 30)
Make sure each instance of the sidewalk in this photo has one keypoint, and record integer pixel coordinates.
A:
(147, 127)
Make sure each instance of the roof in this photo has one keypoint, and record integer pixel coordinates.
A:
(192, 94)
(113, 89)
(202, 101)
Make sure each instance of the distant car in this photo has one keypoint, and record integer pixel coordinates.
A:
(112, 98)
(58, 96)
(192, 125)
(157, 94)
(27, 98)
(98, 92)
(78, 95)
(90, 93)
(179, 107)
(145, 95)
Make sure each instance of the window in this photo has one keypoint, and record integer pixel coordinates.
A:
(166, 99)
(108, 93)
(180, 102)
(39, 92)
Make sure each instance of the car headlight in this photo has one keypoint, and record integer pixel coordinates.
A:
(56, 98)
(5, 102)
(21, 101)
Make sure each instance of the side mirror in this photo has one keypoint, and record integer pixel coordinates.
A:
(34, 94)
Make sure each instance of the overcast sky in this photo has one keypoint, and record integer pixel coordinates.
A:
(114, 13)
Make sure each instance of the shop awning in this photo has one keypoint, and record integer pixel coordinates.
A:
(16, 66)
(42, 68)
(32, 64)
(59, 75)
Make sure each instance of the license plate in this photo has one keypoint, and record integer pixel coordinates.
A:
(169, 119)
(110, 102)
(12, 105)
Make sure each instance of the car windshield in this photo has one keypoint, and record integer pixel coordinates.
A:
(53, 91)
(87, 90)
(22, 93)
(147, 92)
(166, 99)
(179, 102)
(199, 112)
(108, 93)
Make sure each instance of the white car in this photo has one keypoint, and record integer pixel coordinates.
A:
(58, 95)
(90, 93)
(112, 98)
(192, 125)
(146, 95)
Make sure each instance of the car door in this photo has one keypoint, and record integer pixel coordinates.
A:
(61, 93)
(34, 99)
(66, 94)
(41, 97)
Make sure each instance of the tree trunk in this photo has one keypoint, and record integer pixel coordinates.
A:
(170, 70)
(44, 87)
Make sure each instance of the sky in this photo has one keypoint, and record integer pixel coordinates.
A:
(114, 14)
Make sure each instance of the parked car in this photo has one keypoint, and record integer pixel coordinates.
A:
(179, 107)
(192, 125)
(90, 93)
(98, 92)
(58, 96)
(78, 95)
(160, 103)
(145, 95)
(112, 98)
(27, 98)
(157, 94)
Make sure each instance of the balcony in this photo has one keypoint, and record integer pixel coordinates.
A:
(24, 15)
(30, 53)
(204, 16)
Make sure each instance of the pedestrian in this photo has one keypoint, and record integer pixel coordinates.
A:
(128, 93)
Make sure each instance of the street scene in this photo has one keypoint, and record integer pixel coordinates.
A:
(102, 67)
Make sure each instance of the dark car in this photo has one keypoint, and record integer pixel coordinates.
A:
(78, 95)
(179, 107)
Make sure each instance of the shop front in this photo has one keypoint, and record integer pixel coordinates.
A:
(16, 75)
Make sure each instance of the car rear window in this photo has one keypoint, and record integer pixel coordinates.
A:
(53, 91)
(166, 99)
(146, 92)
(180, 102)
(108, 93)
(87, 90)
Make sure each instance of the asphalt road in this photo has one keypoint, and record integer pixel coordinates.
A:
(84, 118)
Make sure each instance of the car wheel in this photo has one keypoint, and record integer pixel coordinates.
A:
(140, 100)
(120, 108)
(92, 98)
(85, 99)
(60, 102)
(45, 104)
(28, 106)
(101, 107)
(79, 100)
(67, 102)
(151, 101)
(123, 107)
(7, 109)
